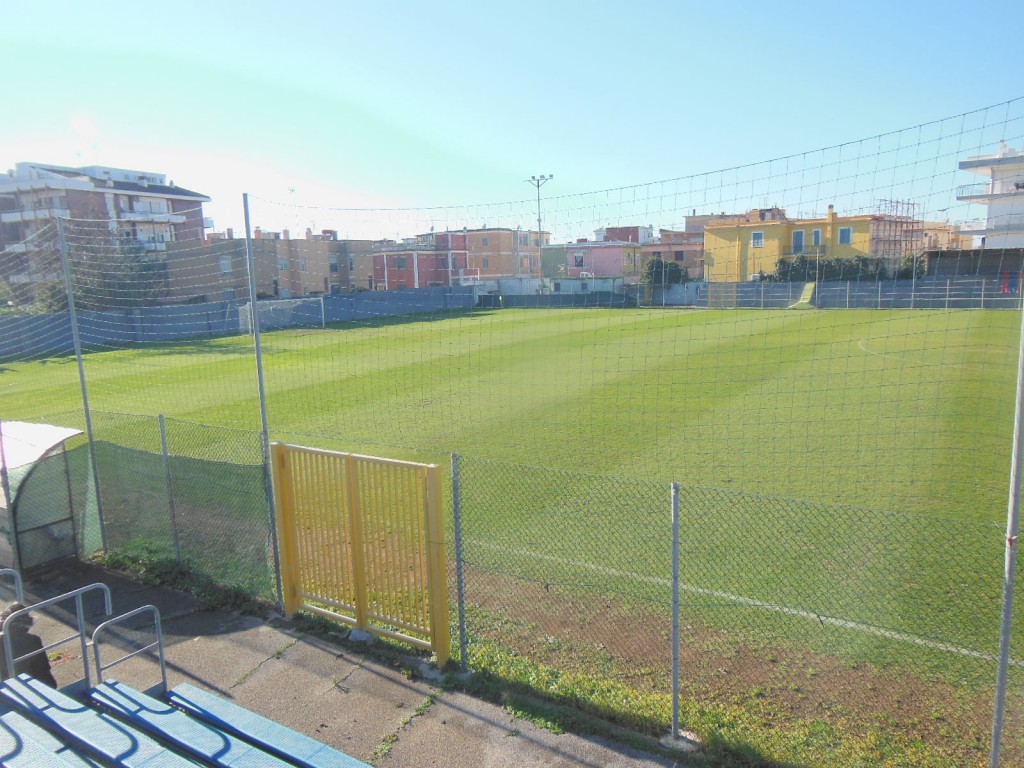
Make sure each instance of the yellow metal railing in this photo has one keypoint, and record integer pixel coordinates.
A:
(362, 542)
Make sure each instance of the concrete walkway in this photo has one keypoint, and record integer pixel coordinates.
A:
(332, 692)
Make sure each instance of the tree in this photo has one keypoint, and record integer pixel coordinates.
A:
(6, 295)
(910, 268)
(118, 277)
(660, 273)
(50, 296)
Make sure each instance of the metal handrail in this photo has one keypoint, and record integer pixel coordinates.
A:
(19, 588)
(81, 634)
(159, 642)
(990, 189)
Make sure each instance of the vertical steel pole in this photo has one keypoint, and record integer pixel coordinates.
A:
(1010, 557)
(5, 487)
(170, 487)
(675, 610)
(268, 479)
(460, 577)
(77, 341)
(323, 312)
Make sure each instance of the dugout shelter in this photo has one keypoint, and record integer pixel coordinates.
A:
(37, 509)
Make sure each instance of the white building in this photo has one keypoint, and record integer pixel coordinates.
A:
(1003, 194)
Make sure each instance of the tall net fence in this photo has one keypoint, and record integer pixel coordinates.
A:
(827, 368)
(868, 621)
(201, 502)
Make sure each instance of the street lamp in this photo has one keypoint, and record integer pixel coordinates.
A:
(538, 182)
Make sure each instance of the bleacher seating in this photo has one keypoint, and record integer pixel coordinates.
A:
(256, 729)
(116, 725)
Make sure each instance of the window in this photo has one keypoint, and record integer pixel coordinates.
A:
(225, 265)
(487, 263)
(282, 265)
(846, 235)
(815, 237)
(798, 241)
(302, 265)
(678, 255)
(524, 238)
(757, 239)
(401, 262)
(485, 242)
(556, 287)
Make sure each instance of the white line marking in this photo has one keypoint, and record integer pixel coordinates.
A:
(753, 603)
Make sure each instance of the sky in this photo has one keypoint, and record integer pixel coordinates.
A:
(406, 104)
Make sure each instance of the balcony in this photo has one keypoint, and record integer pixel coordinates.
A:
(808, 252)
(150, 216)
(33, 214)
(996, 189)
(999, 225)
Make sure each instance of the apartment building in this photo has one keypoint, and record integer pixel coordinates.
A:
(1002, 195)
(734, 252)
(215, 270)
(120, 206)
(590, 258)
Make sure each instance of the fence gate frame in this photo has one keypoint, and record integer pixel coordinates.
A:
(308, 478)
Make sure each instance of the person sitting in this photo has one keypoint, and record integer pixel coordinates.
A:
(23, 642)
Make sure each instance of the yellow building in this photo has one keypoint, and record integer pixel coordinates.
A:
(735, 252)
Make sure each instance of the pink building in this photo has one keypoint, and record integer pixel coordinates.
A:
(595, 259)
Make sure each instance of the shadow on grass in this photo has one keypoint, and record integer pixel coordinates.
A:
(559, 715)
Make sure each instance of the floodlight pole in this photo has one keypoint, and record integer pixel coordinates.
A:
(538, 182)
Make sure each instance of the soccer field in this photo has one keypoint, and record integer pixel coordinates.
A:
(844, 480)
(894, 410)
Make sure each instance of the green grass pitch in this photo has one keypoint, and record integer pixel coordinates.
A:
(892, 410)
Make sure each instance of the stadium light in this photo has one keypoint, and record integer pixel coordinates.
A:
(538, 182)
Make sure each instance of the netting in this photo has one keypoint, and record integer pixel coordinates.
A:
(806, 608)
(822, 348)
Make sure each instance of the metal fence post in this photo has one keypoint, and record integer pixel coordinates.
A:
(76, 339)
(1010, 558)
(460, 578)
(170, 487)
(268, 482)
(675, 610)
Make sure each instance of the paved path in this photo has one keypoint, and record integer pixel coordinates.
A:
(330, 691)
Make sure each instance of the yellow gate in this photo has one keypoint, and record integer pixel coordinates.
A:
(362, 542)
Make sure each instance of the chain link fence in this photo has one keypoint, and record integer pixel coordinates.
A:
(799, 615)
(202, 504)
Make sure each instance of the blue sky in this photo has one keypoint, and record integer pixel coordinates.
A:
(406, 104)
